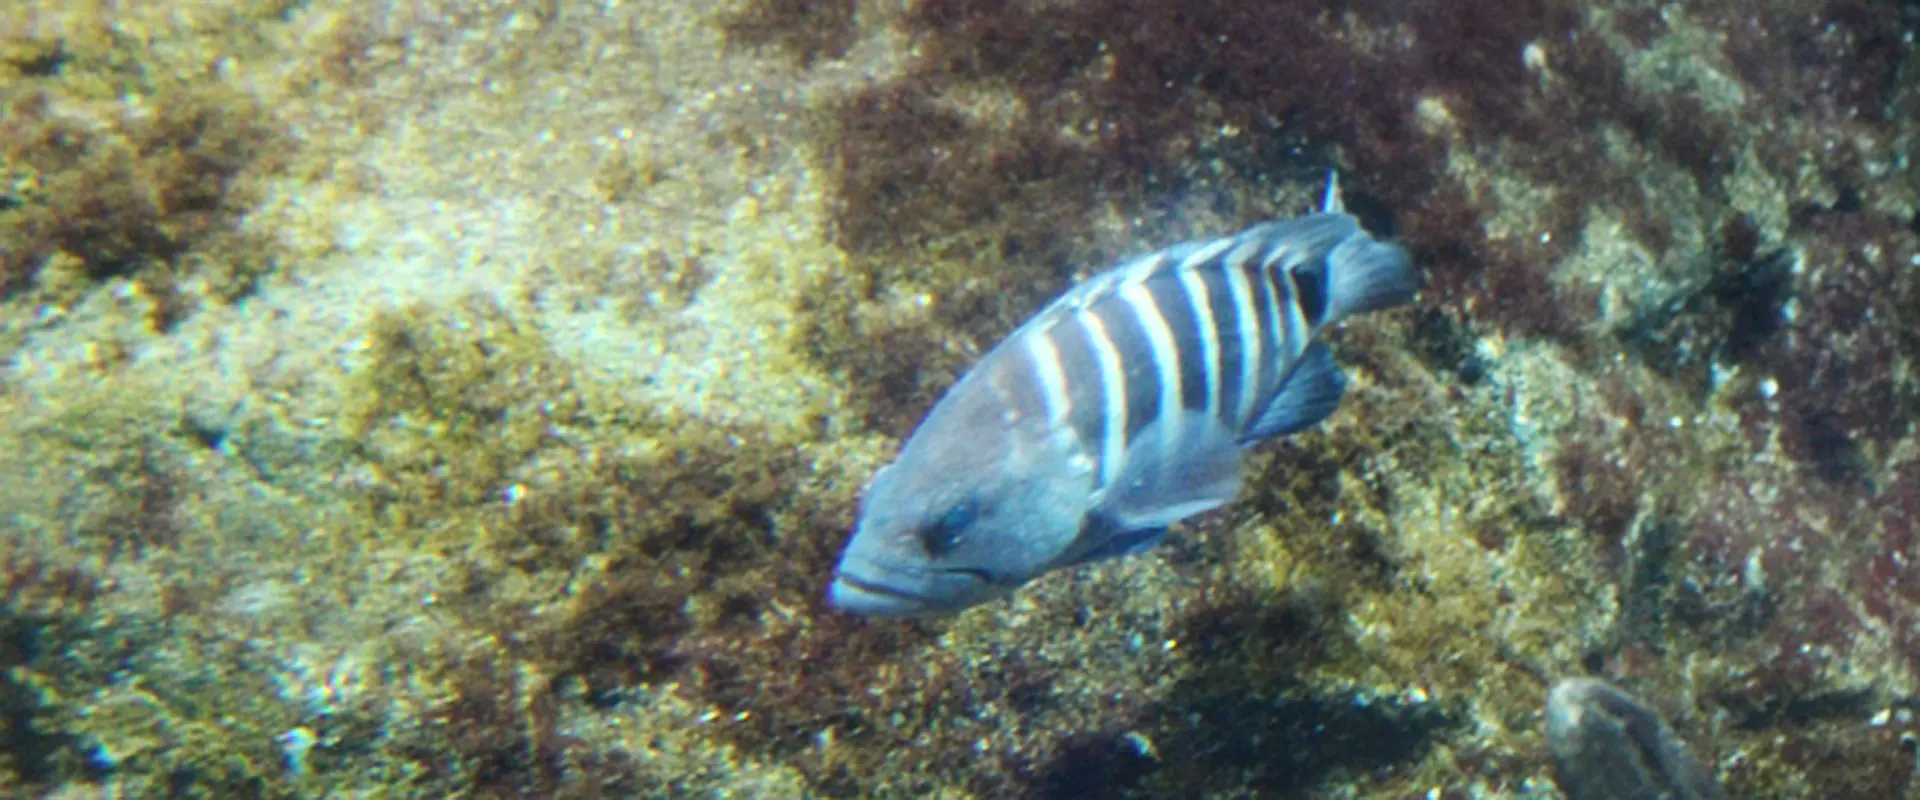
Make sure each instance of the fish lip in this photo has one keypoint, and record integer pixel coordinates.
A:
(873, 587)
(850, 593)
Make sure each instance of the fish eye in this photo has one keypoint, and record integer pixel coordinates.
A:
(960, 516)
(943, 535)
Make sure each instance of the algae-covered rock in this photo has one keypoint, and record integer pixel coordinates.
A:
(452, 399)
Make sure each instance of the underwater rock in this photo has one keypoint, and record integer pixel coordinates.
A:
(486, 389)
(1608, 746)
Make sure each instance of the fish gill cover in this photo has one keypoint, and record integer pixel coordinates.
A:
(468, 399)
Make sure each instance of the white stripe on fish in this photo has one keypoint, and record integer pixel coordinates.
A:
(1249, 338)
(1053, 383)
(1113, 382)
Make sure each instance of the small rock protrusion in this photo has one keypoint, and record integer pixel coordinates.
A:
(1606, 745)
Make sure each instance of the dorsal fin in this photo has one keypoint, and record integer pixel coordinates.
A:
(1275, 244)
(1134, 270)
(1331, 204)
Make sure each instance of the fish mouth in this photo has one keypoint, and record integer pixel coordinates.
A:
(869, 598)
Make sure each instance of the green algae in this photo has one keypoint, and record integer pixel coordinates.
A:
(447, 411)
(145, 686)
(464, 555)
(585, 538)
(457, 404)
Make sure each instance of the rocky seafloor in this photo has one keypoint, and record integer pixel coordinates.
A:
(468, 399)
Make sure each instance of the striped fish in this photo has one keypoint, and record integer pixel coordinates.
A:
(1118, 410)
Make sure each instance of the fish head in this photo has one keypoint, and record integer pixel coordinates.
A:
(964, 516)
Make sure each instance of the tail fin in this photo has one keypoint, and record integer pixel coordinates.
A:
(1365, 274)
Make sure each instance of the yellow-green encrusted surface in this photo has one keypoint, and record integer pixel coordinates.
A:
(456, 399)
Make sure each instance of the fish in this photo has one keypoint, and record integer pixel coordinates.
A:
(1118, 410)
(1607, 745)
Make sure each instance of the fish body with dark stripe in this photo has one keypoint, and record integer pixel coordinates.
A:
(1118, 410)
